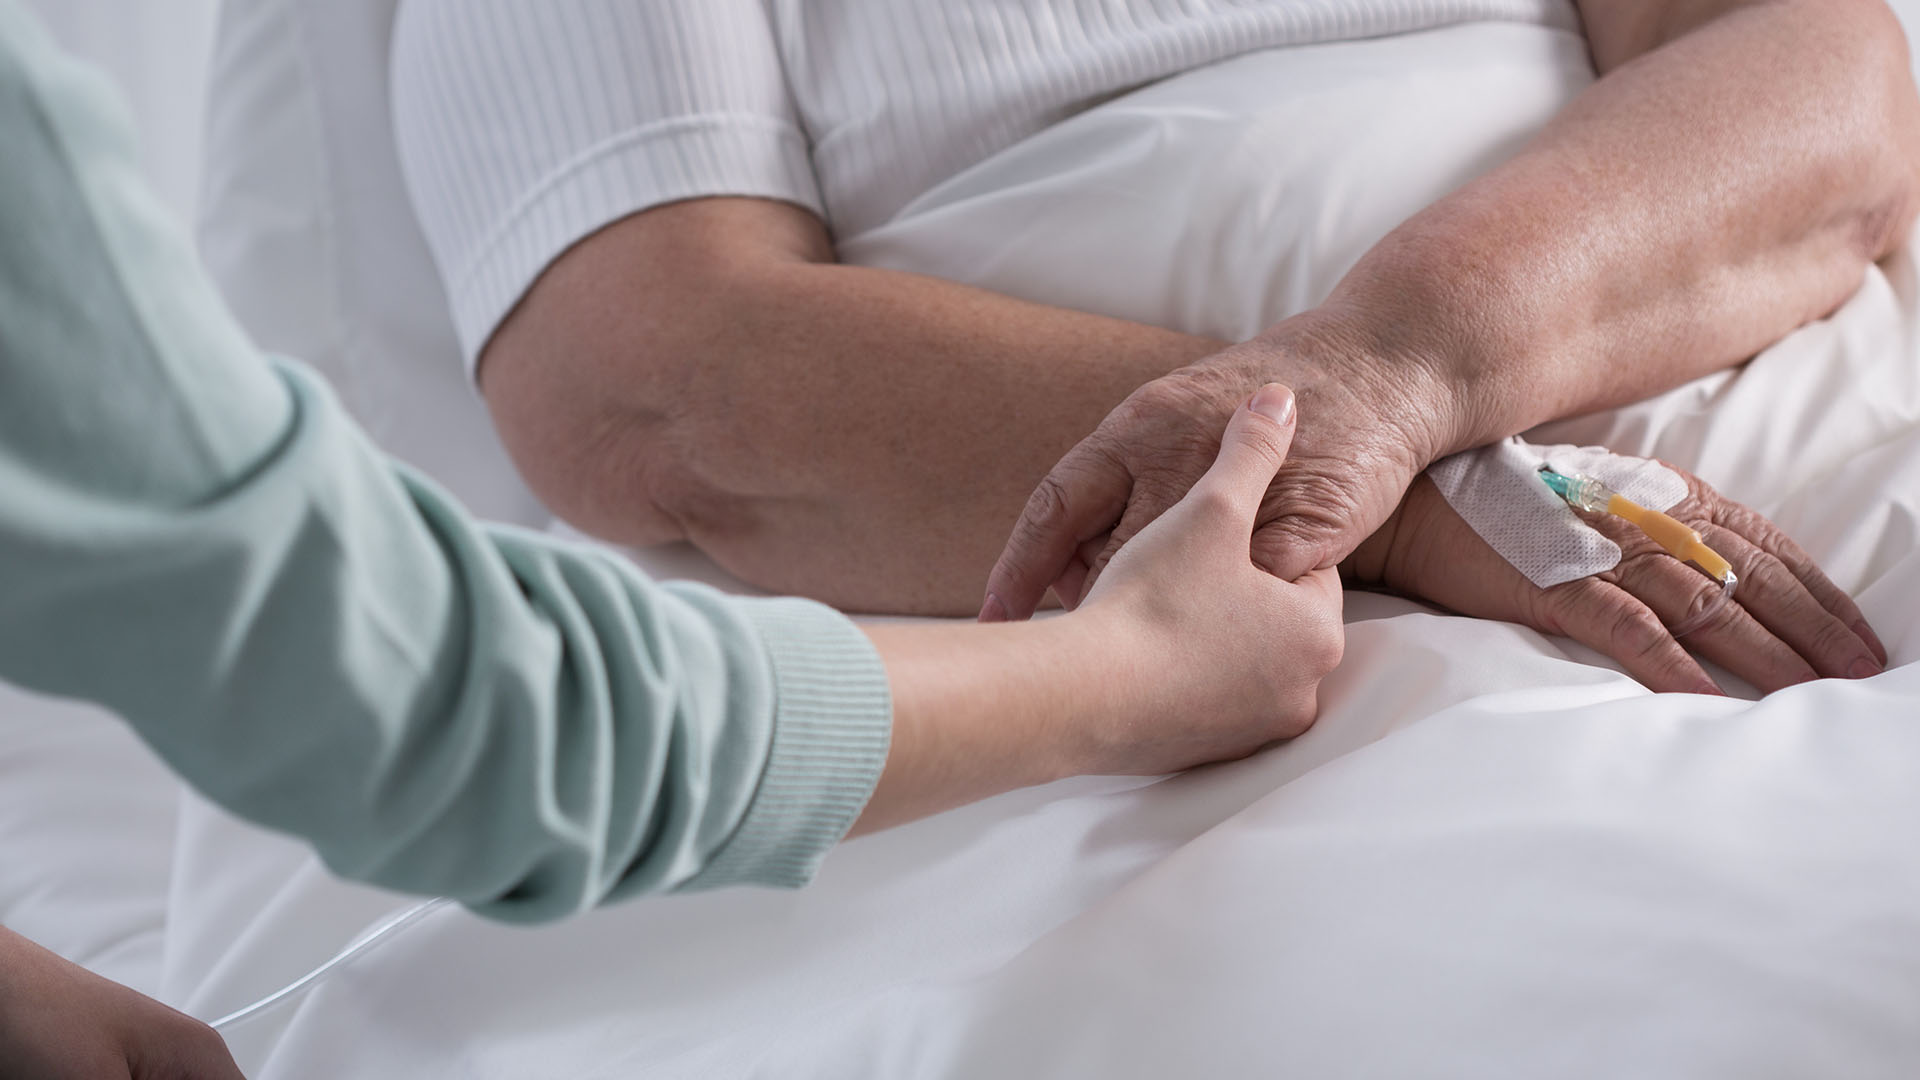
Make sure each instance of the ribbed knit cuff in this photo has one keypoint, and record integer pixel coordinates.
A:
(833, 720)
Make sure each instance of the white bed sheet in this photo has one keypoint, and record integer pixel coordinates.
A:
(1494, 856)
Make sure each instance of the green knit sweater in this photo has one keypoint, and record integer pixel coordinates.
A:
(200, 539)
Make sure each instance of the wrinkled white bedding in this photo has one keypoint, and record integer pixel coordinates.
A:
(1494, 856)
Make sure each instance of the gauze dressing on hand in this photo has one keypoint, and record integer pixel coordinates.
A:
(1497, 490)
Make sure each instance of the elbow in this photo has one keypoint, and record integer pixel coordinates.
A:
(626, 486)
(584, 438)
(620, 477)
(621, 457)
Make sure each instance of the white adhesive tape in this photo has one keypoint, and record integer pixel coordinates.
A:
(1498, 491)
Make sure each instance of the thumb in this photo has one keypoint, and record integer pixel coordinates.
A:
(1252, 450)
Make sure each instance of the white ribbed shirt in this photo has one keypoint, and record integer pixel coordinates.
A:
(526, 125)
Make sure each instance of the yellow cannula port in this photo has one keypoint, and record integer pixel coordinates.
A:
(1674, 535)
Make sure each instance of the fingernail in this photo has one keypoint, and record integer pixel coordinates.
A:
(1275, 402)
(1864, 668)
(1865, 633)
(993, 610)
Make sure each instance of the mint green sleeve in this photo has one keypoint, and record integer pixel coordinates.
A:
(324, 642)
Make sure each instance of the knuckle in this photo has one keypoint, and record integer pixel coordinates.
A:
(1265, 443)
(1835, 639)
(1328, 648)
(1276, 547)
(1735, 518)
(1296, 715)
(1181, 396)
(1705, 597)
(1305, 513)
(1046, 507)
(1768, 576)
(1565, 603)
(1309, 491)
(1332, 650)
(1213, 501)
(1633, 631)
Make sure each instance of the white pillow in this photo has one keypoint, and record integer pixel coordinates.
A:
(305, 223)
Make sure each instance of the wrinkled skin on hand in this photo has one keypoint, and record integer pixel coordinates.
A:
(1204, 623)
(1366, 429)
(1787, 623)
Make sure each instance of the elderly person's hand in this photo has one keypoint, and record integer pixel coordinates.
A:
(1184, 653)
(1367, 428)
(1787, 623)
(59, 1021)
(1233, 651)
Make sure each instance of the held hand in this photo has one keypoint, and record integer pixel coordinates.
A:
(1184, 653)
(59, 1021)
(1366, 430)
(1228, 657)
(1787, 623)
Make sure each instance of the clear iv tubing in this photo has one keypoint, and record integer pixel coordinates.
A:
(360, 946)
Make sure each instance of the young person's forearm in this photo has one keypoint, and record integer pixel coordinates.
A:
(861, 436)
(981, 710)
(202, 541)
(1692, 207)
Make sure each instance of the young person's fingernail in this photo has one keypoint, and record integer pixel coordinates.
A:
(993, 610)
(1865, 633)
(1275, 402)
(1864, 668)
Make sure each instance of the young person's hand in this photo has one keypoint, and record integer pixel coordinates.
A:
(59, 1021)
(1225, 657)
(1787, 623)
(1184, 652)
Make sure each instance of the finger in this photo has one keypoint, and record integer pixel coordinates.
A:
(1768, 537)
(1781, 601)
(1314, 518)
(1251, 452)
(1326, 583)
(1074, 581)
(1609, 620)
(1081, 498)
(1731, 636)
(1142, 510)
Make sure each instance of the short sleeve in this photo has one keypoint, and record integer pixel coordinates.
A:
(526, 125)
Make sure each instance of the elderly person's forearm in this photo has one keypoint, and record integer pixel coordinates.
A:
(707, 371)
(1729, 178)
